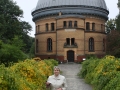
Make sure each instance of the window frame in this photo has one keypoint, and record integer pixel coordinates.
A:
(93, 26)
(91, 44)
(47, 27)
(64, 24)
(52, 26)
(68, 41)
(37, 46)
(75, 24)
(87, 26)
(49, 45)
(104, 45)
(72, 41)
(70, 24)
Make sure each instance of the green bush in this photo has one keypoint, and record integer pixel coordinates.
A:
(102, 73)
(10, 53)
(26, 75)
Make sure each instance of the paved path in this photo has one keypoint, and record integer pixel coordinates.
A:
(73, 81)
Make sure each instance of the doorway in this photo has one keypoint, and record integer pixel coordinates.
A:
(70, 56)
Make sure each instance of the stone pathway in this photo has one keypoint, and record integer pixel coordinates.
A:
(73, 81)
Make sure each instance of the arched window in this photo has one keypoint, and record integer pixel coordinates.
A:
(36, 45)
(93, 26)
(102, 28)
(64, 24)
(68, 41)
(91, 44)
(47, 27)
(87, 26)
(72, 41)
(38, 28)
(103, 45)
(70, 24)
(52, 27)
(75, 24)
(49, 44)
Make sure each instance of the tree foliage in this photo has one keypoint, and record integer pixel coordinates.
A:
(13, 32)
(118, 4)
(113, 43)
(110, 25)
(10, 20)
(10, 53)
(113, 37)
(118, 23)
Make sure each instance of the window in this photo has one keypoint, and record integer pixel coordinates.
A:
(72, 41)
(103, 45)
(70, 24)
(88, 26)
(68, 41)
(38, 28)
(91, 44)
(101, 27)
(93, 26)
(75, 24)
(49, 44)
(46, 26)
(36, 45)
(64, 24)
(52, 27)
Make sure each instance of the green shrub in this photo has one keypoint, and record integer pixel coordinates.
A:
(102, 73)
(10, 53)
(26, 75)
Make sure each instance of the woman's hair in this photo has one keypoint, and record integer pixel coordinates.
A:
(56, 67)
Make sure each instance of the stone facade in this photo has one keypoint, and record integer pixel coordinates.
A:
(68, 37)
(60, 33)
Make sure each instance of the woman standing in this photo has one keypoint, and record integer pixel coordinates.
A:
(57, 81)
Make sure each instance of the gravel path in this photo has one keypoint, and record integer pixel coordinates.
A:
(73, 81)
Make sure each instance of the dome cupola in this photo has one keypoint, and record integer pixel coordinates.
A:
(46, 8)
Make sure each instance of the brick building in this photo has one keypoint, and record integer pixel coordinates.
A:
(68, 30)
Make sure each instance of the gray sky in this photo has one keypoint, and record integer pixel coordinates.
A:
(28, 5)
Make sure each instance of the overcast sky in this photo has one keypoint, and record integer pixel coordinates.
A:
(28, 5)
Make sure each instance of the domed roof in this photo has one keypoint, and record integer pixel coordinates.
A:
(46, 8)
(50, 3)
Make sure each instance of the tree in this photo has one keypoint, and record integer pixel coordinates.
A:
(113, 43)
(10, 20)
(10, 53)
(110, 25)
(113, 38)
(32, 50)
(13, 33)
(118, 4)
(118, 23)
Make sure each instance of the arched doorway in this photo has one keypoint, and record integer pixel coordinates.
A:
(70, 56)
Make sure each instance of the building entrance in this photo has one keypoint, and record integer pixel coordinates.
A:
(70, 56)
